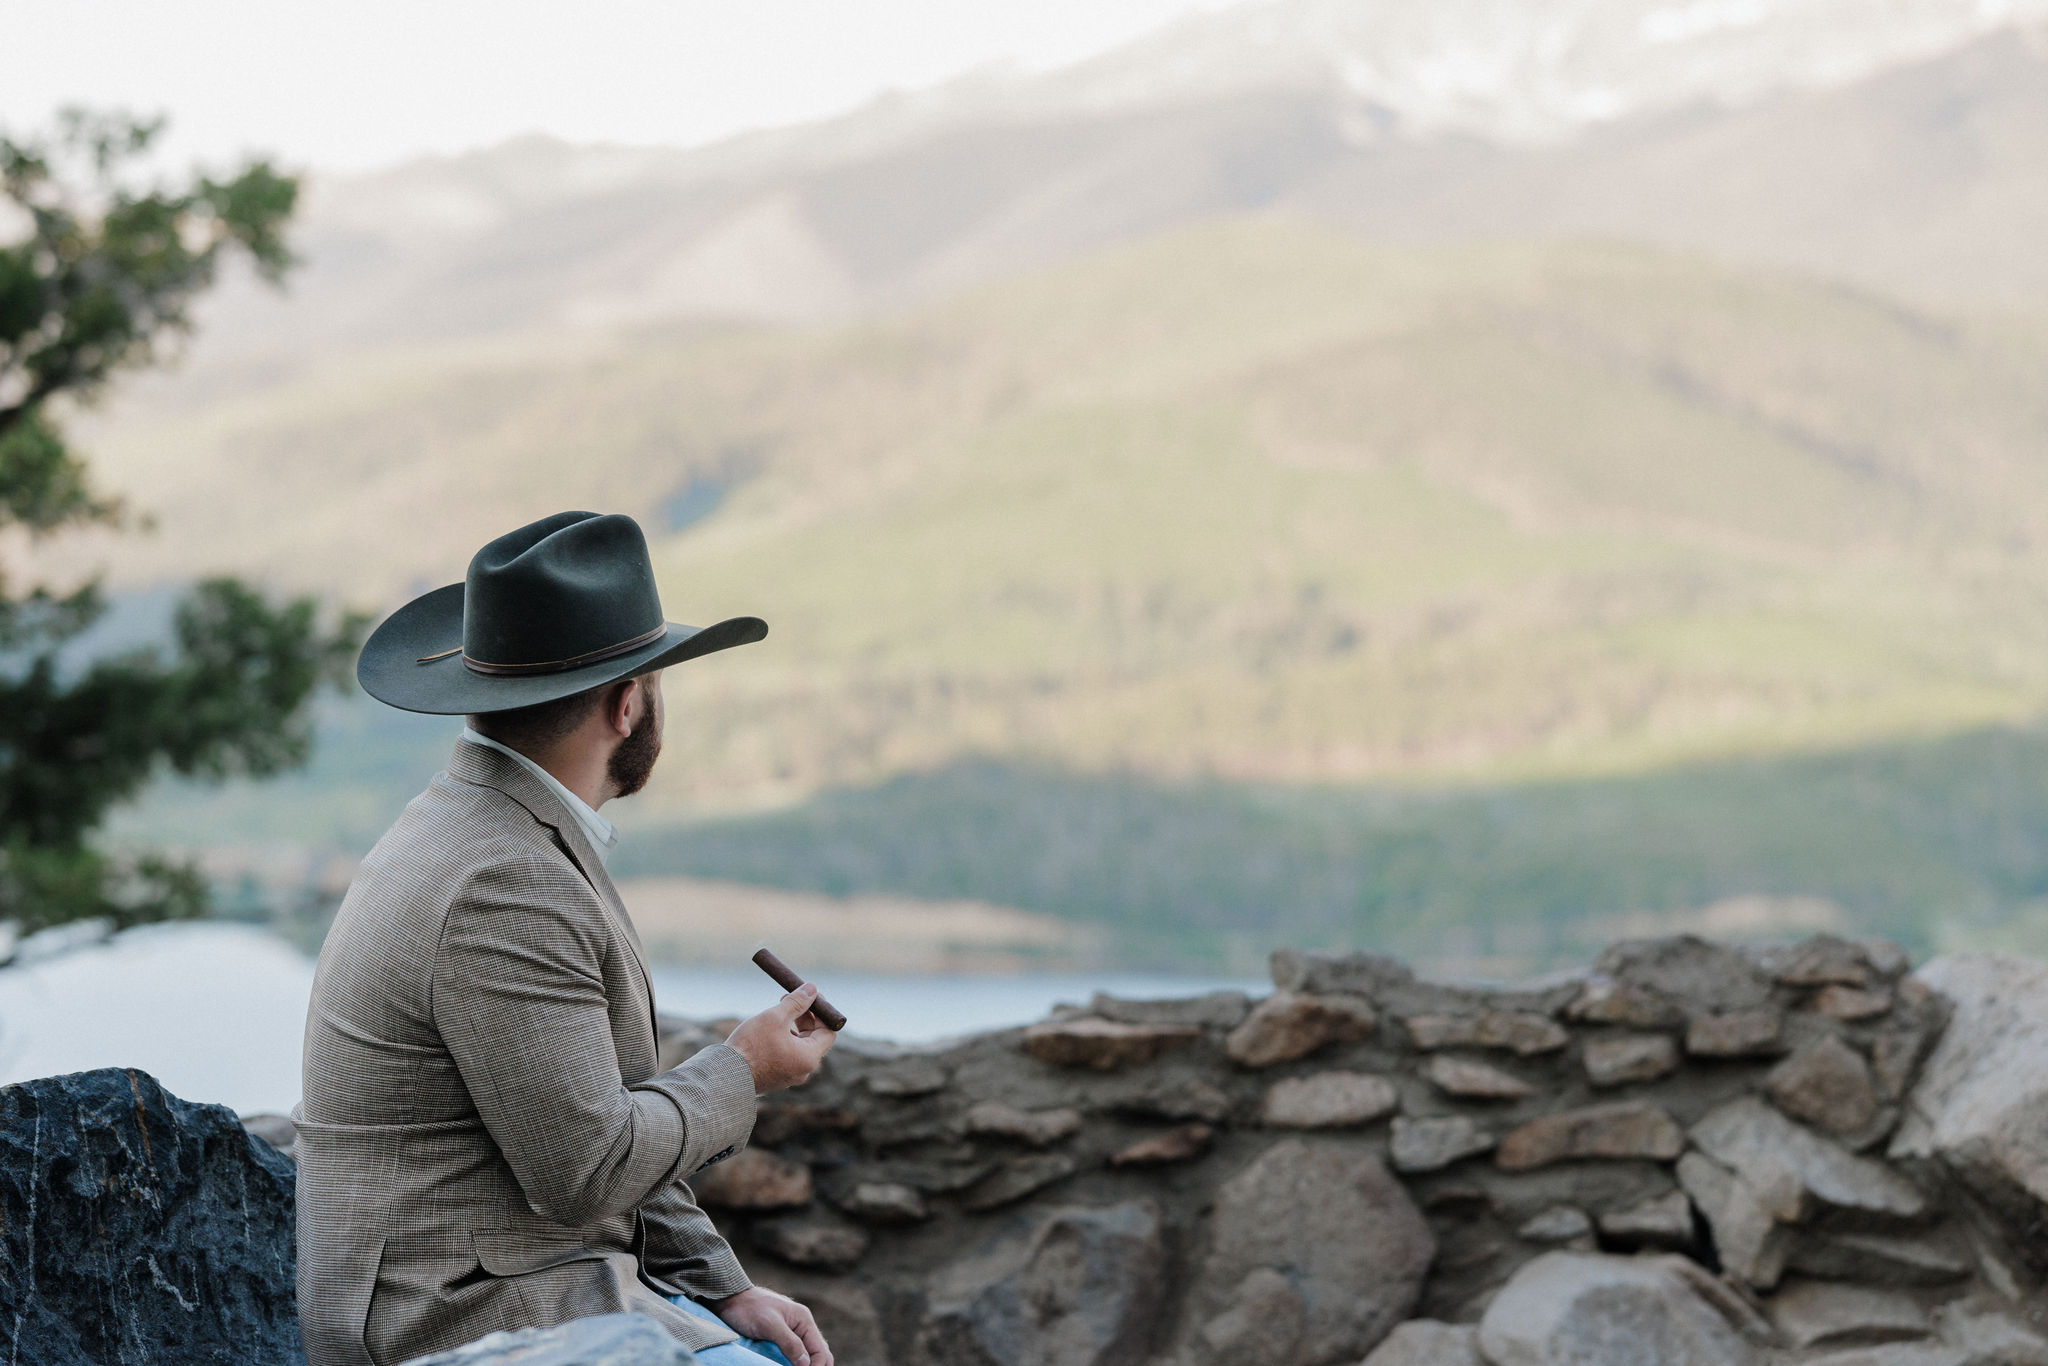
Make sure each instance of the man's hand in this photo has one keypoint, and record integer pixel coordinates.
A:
(783, 1044)
(758, 1313)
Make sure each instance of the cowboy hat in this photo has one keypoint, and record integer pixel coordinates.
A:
(557, 607)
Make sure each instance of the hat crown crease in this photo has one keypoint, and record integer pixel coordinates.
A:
(570, 589)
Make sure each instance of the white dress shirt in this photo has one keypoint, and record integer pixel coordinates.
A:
(602, 833)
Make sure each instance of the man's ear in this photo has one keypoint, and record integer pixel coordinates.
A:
(618, 707)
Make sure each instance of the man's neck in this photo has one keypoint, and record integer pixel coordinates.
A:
(582, 773)
(570, 765)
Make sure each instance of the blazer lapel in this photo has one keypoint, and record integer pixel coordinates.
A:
(480, 764)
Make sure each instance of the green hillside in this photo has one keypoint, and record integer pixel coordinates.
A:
(1939, 844)
(1259, 501)
(1256, 583)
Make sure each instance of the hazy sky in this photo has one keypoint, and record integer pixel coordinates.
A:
(348, 84)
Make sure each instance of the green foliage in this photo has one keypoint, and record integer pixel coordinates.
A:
(104, 276)
(109, 271)
(1936, 843)
(1260, 500)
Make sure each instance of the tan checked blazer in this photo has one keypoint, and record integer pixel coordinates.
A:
(484, 1142)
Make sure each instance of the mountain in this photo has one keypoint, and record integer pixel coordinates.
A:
(1257, 499)
(1927, 181)
(1325, 472)
(1899, 146)
(1504, 70)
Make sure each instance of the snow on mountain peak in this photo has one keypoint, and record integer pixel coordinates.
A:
(1514, 69)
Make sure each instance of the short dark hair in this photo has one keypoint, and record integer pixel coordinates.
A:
(540, 725)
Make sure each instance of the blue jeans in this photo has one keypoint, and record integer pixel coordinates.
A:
(745, 1352)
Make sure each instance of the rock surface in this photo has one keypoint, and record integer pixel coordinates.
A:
(140, 1229)
(1039, 1128)
(1792, 1169)
(1328, 1100)
(1289, 1025)
(1427, 1145)
(754, 1178)
(1628, 1058)
(886, 1202)
(1519, 1032)
(1340, 1234)
(1697, 976)
(1183, 1144)
(1826, 1313)
(1752, 1243)
(1662, 1221)
(1880, 1259)
(1850, 1003)
(1473, 1079)
(1603, 1000)
(1558, 1224)
(1980, 1109)
(811, 1239)
(1827, 1084)
(602, 1340)
(777, 1124)
(1988, 1334)
(1736, 1034)
(1016, 1179)
(1080, 1290)
(1588, 1309)
(1222, 1009)
(1621, 1130)
(1425, 1342)
(1103, 1045)
(904, 1077)
(1186, 1100)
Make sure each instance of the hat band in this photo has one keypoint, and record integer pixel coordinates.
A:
(556, 666)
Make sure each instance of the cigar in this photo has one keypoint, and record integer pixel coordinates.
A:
(789, 981)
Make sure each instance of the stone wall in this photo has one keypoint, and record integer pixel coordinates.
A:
(1690, 1153)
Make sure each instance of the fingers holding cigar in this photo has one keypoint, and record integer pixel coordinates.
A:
(823, 1011)
(784, 1044)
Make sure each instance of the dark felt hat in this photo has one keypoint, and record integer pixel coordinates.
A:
(560, 606)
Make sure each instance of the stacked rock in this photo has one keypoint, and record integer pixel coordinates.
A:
(1689, 1153)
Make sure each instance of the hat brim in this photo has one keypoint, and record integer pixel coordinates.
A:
(407, 662)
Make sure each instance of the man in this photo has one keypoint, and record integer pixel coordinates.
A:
(485, 1141)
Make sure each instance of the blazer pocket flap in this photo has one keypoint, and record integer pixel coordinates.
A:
(511, 1256)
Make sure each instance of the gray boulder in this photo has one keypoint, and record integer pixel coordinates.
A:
(1699, 976)
(1991, 1334)
(1425, 1342)
(1756, 1172)
(605, 1340)
(1592, 1309)
(1081, 1289)
(1435, 1142)
(1980, 1108)
(139, 1228)
(1329, 1246)
(1752, 1243)
(1795, 1170)
(1825, 1313)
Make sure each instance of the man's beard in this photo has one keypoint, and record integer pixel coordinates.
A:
(633, 760)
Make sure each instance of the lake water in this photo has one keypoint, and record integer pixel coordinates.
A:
(216, 1011)
(922, 1009)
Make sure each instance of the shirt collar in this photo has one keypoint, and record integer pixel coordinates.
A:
(601, 832)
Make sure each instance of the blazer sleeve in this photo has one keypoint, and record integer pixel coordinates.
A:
(518, 998)
(682, 1252)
